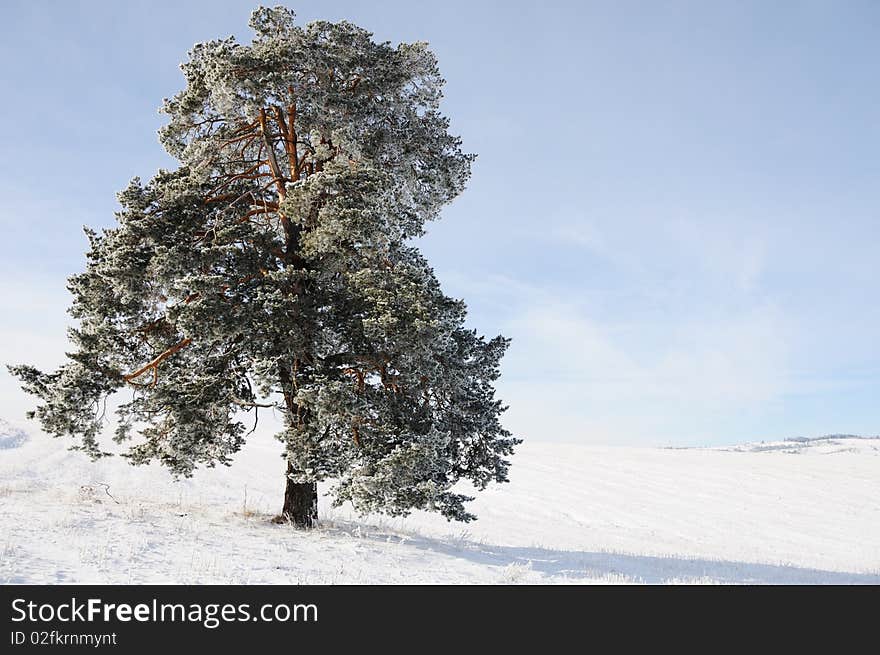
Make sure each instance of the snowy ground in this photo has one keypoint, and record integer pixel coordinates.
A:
(787, 512)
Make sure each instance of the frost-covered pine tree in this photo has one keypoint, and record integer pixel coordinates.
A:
(275, 267)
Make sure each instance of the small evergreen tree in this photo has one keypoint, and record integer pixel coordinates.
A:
(275, 267)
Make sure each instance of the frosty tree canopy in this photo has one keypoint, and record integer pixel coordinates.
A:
(275, 267)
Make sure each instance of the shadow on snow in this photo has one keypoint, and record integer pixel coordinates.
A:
(578, 565)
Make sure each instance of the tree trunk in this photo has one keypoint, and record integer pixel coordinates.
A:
(300, 502)
(300, 498)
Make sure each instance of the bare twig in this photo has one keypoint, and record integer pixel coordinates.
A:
(107, 491)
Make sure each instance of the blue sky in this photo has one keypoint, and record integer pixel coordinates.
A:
(674, 211)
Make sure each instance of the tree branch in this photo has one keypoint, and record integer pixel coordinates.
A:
(273, 161)
(154, 364)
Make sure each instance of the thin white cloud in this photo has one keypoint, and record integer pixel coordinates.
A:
(573, 376)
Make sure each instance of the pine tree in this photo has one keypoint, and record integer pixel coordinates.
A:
(276, 268)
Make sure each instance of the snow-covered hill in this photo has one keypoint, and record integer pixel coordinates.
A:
(788, 512)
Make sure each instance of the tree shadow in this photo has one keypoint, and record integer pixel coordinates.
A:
(575, 566)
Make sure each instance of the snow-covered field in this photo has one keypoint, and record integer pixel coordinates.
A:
(787, 512)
